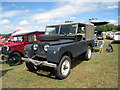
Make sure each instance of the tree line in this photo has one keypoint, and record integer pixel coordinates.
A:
(108, 27)
(104, 28)
(5, 35)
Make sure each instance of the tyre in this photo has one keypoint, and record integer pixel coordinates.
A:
(88, 53)
(14, 59)
(64, 67)
(31, 67)
(49, 37)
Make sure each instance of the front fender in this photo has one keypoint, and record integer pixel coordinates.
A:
(55, 53)
(11, 51)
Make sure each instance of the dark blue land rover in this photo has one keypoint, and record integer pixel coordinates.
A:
(60, 44)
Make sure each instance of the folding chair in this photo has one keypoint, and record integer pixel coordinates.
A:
(100, 45)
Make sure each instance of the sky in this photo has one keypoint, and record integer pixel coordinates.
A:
(34, 16)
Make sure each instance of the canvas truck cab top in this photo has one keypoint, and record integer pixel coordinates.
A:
(60, 44)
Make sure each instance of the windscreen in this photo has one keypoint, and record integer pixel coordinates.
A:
(117, 34)
(52, 30)
(17, 39)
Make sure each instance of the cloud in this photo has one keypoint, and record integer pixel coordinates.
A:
(58, 1)
(55, 21)
(12, 13)
(113, 21)
(5, 21)
(112, 7)
(72, 17)
(63, 11)
(24, 22)
(9, 28)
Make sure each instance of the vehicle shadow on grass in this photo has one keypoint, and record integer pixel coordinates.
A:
(50, 72)
(3, 72)
(46, 72)
(2, 62)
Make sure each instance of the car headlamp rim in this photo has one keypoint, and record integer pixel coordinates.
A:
(0, 48)
(7, 47)
(35, 47)
(46, 47)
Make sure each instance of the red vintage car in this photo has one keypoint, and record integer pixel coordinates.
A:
(14, 51)
(6, 41)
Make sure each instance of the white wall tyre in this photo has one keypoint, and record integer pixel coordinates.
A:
(88, 54)
(64, 67)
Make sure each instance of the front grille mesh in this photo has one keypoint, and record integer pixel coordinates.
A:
(40, 51)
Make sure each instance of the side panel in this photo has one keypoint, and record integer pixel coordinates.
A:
(89, 32)
(10, 52)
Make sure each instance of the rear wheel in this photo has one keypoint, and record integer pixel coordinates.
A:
(88, 53)
(14, 59)
(31, 67)
(64, 67)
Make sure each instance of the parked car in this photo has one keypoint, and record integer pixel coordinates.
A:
(60, 44)
(116, 36)
(13, 52)
(109, 35)
(6, 41)
(99, 35)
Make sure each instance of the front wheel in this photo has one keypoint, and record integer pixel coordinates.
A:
(63, 69)
(14, 59)
(31, 67)
(88, 53)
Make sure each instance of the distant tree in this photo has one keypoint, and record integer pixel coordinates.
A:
(68, 21)
(6, 35)
(114, 28)
(80, 30)
(101, 28)
(118, 27)
(110, 27)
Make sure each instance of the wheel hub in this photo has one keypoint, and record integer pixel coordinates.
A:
(65, 67)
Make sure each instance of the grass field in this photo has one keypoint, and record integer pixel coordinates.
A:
(99, 72)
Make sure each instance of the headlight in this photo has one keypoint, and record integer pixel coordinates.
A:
(46, 47)
(35, 46)
(7, 48)
(0, 48)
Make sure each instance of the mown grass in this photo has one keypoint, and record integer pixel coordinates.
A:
(99, 72)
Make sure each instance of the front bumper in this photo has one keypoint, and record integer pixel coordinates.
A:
(39, 63)
(100, 37)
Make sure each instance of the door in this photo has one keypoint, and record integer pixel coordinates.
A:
(81, 45)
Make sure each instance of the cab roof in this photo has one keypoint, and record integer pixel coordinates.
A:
(28, 32)
(84, 23)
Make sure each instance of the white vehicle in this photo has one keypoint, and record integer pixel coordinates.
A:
(116, 36)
